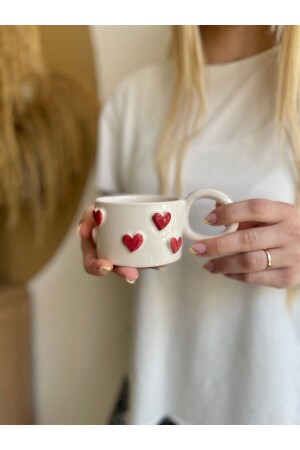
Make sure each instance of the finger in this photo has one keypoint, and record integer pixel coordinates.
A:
(242, 225)
(92, 264)
(102, 267)
(248, 262)
(239, 242)
(86, 223)
(131, 274)
(254, 210)
(279, 278)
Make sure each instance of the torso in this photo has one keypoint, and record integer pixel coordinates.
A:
(207, 349)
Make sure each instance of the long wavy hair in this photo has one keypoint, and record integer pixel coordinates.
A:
(189, 96)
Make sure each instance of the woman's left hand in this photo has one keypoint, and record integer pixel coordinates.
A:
(263, 225)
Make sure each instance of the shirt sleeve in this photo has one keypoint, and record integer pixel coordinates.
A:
(109, 136)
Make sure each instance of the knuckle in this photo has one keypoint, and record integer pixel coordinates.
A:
(250, 261)
(87, 213)
(257, 206)
(292, 222)
(249, 239)
(220, 246)
(293, 227)
(226, 214)
(86, 268)
(89, 265)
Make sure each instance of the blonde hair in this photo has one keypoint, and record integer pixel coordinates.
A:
(48, 126)
(189, 96)
(288, 89)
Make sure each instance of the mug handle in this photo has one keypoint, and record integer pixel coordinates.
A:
(213, 195)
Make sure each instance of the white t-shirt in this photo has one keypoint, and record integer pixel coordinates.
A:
(207, 349)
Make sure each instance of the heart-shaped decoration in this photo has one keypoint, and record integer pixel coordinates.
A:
(133, 242)
(175, 244)
(161, 221)
(97, 214)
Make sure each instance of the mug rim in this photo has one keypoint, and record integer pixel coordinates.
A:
(135, 199)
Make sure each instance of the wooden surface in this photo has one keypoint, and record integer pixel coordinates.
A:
(15, 376)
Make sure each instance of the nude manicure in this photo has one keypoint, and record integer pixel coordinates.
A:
(198, 249)
(210, 218)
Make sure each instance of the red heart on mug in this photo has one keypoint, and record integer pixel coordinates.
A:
(133, 242)
(161, 221)
(97, 214)
(175, 244)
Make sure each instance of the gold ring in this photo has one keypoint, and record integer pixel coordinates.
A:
(269, 258)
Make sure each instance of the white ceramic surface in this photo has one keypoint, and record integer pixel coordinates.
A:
(147, 230)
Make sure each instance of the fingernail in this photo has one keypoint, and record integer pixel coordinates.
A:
(210, 218)
(78, 229)
(161, 267)
(198, 249)
(130, 281)
(105, 268)
(209, 266)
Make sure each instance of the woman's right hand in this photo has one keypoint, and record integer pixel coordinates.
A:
(93, 265)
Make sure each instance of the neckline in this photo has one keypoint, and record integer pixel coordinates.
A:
(245, 62)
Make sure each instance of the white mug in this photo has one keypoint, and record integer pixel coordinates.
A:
(147, 230)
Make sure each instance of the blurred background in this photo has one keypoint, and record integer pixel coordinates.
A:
(64, 335)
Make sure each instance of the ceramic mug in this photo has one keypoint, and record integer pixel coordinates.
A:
(147, 230)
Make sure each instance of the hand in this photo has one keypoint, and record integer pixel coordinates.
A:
(263, 224)
(92, 264)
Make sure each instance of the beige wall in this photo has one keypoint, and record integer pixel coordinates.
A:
(81, 323)
(122, 49)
